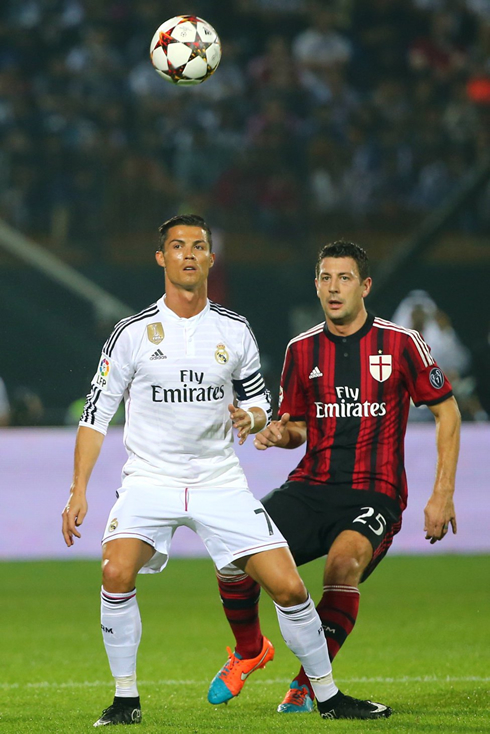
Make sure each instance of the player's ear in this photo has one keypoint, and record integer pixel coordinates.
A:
(160, 258)
(212, 258)
(367, 287)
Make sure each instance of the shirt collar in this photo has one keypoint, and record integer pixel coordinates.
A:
(356, 336)
(172, 315)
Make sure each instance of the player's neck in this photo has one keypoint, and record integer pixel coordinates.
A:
(349, 328)
(185, 303)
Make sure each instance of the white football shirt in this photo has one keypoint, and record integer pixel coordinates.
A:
(177, 377)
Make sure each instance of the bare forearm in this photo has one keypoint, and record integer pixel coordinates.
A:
(439, 511)
(447, 441)
(87, 450)
(283, 433)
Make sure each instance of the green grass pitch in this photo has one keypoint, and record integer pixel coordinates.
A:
(421, 644)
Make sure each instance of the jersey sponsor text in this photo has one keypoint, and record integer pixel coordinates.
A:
(186, 394)
(350, 410)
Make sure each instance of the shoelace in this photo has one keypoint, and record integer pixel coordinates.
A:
(296, 696)
(227, 668)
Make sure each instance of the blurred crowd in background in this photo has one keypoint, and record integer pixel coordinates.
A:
(373, 110)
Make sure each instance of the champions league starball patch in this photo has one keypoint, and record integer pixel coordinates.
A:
(436, 378)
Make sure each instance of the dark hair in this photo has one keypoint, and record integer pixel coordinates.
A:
(187, 220)
(340, 248)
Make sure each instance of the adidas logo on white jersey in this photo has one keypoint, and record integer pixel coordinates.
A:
(158, 355)
(315, 372)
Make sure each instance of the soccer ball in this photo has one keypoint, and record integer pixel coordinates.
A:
(185, 50)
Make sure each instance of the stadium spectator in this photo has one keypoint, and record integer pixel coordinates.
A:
(346, 387)
(420, 312)
(320, 48)
(179, 440)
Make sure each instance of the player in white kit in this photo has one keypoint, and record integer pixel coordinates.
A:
(189, 372)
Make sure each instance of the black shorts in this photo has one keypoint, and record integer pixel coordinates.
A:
(311, 516)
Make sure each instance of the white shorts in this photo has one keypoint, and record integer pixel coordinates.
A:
(230, 522)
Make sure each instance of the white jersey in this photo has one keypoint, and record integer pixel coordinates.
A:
(177, 377)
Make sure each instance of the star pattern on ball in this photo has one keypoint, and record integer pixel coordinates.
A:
(185, 50)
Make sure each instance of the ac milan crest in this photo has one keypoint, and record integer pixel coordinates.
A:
(380, 366)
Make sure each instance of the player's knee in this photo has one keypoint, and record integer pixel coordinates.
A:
(291, 593)
(116, 577)
(343, 569)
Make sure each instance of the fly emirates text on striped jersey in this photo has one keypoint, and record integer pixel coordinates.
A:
(348, 406)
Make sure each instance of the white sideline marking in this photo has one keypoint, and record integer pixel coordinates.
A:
(270, 681)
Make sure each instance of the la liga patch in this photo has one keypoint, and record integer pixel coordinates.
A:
(102, 375)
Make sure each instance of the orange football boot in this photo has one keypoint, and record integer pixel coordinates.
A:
(229, 681)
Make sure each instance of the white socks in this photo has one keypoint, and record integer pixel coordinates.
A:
(302, 632)
(300, 627)
(121, 631)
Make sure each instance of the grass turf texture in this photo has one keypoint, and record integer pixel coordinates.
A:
(421, 645)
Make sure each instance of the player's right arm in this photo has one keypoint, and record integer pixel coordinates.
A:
(87, 450)
(109, 383)
(439, 511)
(284, 434)
(427, 385)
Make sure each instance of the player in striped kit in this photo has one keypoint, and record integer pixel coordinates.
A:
(188, 371)
(346, 388)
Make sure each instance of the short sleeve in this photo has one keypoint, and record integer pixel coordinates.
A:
(426, 382)
(249, 362)
(248, 383)
(291, 393)
(112, 378)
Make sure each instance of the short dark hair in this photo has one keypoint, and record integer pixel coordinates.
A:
(341, 248)
(187, 220)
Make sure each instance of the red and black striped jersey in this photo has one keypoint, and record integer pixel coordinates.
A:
(354, 394)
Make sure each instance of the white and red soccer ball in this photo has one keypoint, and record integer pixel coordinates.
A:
(185, 50)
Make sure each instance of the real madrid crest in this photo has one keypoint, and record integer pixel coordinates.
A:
(155, 332)
(221, 355)
(113, 525)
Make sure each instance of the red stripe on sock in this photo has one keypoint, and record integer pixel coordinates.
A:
(241, 606)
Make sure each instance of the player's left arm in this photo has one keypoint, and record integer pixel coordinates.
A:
(253, 409)
(252, 420)
(439, 511)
